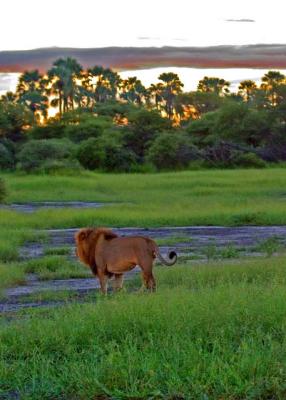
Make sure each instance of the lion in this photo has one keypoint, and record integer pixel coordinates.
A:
(108, 254)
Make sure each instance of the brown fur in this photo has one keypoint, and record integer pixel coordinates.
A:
(108, 254)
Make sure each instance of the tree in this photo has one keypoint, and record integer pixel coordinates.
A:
(15, 119)
(239, 123)
(63, 83)
(171, 87)
(102, 84)
(270, 82)
(8, 97)
(247, 89)
(214, 85)
(154, 95)
(193, 105)
(31, 92)
(143, 127)
(133, 91)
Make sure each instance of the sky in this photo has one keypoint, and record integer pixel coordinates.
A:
(28, 24)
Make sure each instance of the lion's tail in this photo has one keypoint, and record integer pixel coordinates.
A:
(172, 255)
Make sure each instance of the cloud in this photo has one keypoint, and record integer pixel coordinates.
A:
(147, 38)
(240, 20)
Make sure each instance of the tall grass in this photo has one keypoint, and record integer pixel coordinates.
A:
(214, 332)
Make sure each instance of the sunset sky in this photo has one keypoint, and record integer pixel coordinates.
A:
(92, 23)
(30, 24)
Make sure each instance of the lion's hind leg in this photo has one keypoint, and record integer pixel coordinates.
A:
(118, 281)
(103, 281)
(147, 275)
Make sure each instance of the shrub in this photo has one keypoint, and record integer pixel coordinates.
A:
(3, 191)
(220, 155)
(107, 153)
(117, 157)
(54, 130)
(172, 151)
(90, 154)
(143, 128)
(90, 128)
(7, 160)
(37, 155)
(249, 160)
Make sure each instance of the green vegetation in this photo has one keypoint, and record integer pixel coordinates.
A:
(57, 251)
(10, 275)
(234, 197)
(102, 122)
(269, 246)
(55, 267)
(212, 331)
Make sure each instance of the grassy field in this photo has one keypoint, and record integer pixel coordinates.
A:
(217, 197)
(215, 331)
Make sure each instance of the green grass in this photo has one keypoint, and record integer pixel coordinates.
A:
(172, 240)
(10, 275)
(55, 267)
(57, 251)
(215, 331)
(216, 197)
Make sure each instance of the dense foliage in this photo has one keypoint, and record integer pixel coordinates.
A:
(104, 122)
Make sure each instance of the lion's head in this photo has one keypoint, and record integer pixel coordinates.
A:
(86, 240)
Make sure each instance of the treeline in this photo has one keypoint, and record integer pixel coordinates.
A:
(103, 122)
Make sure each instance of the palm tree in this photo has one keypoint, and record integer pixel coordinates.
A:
(154, 95)
(37, 102)
(270, 81)
(29, 81)
(30, 91)
(246, 89)
(213, 84)
(103, 84)
(9, 97)
(133, 91)
(63, 83)
(171, 87)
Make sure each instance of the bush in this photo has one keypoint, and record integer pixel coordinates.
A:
(220, 155)
(107, 153)
(54, 130)
(249, 160)
(38, 155)
(3, 191)
(90, 128)
(7, 159)
(143, 128)
(172, 151)
(90, 154)
(117, 157)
